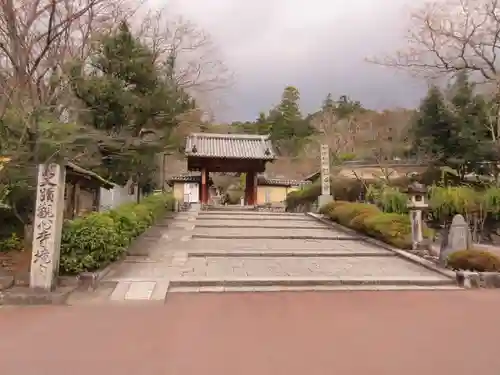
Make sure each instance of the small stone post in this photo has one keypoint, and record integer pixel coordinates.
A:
(47, 226)
(325, 196)
(416, 203)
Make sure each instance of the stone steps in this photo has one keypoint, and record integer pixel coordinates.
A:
(289, 253)
(248, 213)
(320, 288)
(272, 237)
(144, 290)
(254, 217)
(309, 281)
(257, 225)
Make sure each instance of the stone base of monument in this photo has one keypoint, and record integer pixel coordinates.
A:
(324, 199)
(20, 295)
(472, 280)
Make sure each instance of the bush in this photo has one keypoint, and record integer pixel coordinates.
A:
(303, 198)
(388, 199)
(474, 260)
(392, 228)
(92, 242)
(12, 243)
(345, 213)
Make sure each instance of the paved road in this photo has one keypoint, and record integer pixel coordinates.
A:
(376, 333)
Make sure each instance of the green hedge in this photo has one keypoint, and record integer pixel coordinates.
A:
(93, 241)
(392, 228)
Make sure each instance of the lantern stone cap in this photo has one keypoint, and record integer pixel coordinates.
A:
(416, 188)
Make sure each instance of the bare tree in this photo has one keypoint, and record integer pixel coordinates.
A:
(446, 37)
(338, 133)
(195, 61)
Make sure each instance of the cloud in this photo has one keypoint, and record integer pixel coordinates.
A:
(319, 46)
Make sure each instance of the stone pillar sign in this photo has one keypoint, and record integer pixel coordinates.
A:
(47, 226)
(325, 196)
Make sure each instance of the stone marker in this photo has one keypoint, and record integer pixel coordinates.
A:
(47, 226)
(459, 238)
(325, 196)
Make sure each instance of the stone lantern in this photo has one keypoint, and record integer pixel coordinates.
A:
(417, 202)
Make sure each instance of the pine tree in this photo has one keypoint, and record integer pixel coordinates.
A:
(432, 129)
(453, 131)
(128, 96)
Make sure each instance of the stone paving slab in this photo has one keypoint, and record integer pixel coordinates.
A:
(274, 244)
(320, 232)
(287, 253)
(265, 267)
(290, 223)
(302, 267)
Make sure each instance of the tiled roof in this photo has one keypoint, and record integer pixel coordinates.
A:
(230, 146)
(281, 182)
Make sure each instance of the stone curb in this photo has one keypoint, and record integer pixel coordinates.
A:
(229, 237)
(25, 296)
(304, 281)
(90, 280)
(287, 253)
(473, 280)
(403, 254)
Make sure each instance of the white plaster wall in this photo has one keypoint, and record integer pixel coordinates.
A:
(115, 197)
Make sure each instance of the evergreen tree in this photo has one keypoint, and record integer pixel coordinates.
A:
(453, 132)
(432, 128)
(345, 107)
(133, 101)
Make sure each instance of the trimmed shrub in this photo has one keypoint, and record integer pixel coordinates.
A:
(474, 260)
(395, 229)
(93, 241)
(331, 206)
(345, 213)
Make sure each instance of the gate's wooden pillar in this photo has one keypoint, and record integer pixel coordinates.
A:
(250, 189)
(204, 186)
(254, 191)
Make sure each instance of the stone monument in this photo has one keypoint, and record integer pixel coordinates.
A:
(47, 226)
(459, 237)
(325, 196)
(416, 204)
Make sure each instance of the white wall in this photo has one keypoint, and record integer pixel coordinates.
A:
(115, 197)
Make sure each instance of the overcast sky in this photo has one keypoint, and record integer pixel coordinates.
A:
(319, 46)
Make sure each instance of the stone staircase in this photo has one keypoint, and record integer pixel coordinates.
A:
(234, 250)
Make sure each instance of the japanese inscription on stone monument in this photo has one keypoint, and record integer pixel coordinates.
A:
(45, 215)
(325, 170)
(47, 225)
